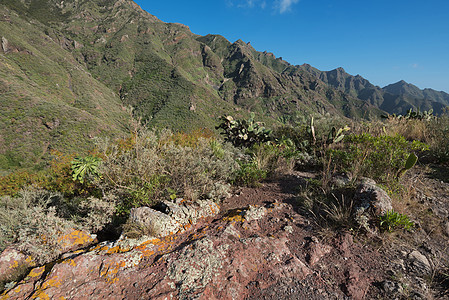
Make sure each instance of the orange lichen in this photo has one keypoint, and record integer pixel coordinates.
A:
(52, 282)
(40, 295)
(70, 262)
(40, 292)
(36, 272)
(109, 271)
(75, 238)
(234, 219)
(30, 260)
(14, 265)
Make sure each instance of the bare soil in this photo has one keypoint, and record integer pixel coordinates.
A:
(357, 265)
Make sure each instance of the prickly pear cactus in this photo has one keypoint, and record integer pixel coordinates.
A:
(243, 133)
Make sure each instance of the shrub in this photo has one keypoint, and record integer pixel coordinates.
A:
(438, 132)
(34, 219)
(376, 157)
(274, 157)
(157, 165)
(29, 221)
(12, 183)
(249, 175)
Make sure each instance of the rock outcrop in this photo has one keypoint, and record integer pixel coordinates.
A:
(249, 252)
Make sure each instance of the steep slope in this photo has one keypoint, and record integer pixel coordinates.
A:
(47, 99)
(169, 74)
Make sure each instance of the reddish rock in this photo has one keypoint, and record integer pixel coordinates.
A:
(217, 263)
(75, 239)
(316, 251)
(11, 260)
(245, 253)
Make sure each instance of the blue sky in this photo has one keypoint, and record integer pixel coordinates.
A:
(382, 40)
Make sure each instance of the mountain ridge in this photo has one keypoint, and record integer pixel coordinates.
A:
(169, 75)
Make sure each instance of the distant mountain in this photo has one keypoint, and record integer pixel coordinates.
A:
(395, 98)
(69, 68)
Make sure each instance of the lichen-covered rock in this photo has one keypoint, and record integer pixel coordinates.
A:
(76, 239)
(217, 263)
(158, 223)
(370, 202)
(11, 260)
(184, 212)
(254, 213)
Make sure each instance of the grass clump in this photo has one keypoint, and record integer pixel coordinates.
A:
(330, 210)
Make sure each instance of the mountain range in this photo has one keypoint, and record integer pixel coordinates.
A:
(70, 69)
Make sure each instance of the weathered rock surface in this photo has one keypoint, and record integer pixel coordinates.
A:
(245, 253)
(419, 263)
(175, 218)
(370, 202)
(371, 196)
(12, 260)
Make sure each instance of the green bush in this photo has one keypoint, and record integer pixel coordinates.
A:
(376, 157)
(249, 175)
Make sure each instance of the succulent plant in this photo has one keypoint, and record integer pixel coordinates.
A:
(335, 135)
(85, 167)
(243, 133)
(411, 161)
(412, 115)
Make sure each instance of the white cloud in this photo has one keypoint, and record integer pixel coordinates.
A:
(285, 5)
